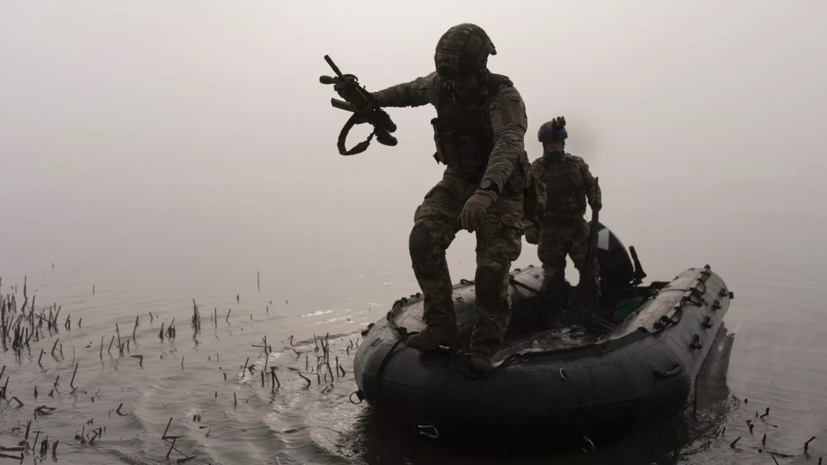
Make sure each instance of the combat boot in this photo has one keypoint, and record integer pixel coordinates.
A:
(552, 294)
(480, 363)
(433, 336)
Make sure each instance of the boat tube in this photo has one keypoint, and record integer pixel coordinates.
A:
(579, 383)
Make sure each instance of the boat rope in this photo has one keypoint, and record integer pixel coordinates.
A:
(384, 364)
(402, 335)
(674, 289)
(688, 298)
(400, 331)
(514, 282)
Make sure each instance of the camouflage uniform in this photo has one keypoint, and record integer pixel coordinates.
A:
(568, 183)
(478, 140)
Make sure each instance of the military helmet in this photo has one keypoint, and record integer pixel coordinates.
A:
(462, 50)
(554, 130)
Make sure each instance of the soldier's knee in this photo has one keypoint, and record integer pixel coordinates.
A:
(489, 284)
(420, 243)
(427, 256)
(553, 257)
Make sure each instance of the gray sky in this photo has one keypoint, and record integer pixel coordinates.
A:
(122, 120)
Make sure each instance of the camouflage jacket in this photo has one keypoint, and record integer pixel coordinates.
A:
(504, 119)
(568, 183)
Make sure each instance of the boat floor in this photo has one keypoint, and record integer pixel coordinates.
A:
(536, 328)
(552, 339)
(536, 325)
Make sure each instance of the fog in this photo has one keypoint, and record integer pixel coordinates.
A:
(165, 137)
(158, 153)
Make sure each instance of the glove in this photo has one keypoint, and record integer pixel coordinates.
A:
(531, 235)
(474, 210)
(596, 204)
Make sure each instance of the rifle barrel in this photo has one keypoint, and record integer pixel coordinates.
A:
(333, 65)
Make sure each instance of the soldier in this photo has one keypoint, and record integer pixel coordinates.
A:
(479, 134)
(568, 183)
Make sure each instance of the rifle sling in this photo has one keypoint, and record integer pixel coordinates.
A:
(354, 119)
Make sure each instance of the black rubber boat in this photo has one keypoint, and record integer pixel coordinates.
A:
(630, 369)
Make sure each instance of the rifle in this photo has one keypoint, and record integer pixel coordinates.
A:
(588, 294)
(364, 107)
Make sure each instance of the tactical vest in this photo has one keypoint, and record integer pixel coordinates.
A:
(565, 192)
(463, 136)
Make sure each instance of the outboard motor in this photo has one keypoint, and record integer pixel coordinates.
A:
(620, 274)
(616, 268)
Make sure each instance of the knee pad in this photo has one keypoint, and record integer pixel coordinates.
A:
(420, 243)
(489, 284)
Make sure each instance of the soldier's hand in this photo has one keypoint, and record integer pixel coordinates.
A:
(473, 213)
(531, 235)
(596, 204)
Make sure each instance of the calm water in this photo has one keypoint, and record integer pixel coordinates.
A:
(771, 355)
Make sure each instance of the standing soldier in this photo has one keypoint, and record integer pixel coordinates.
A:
(568, 184)
(479, 134)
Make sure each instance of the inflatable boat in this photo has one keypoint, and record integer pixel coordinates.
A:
(629, 366)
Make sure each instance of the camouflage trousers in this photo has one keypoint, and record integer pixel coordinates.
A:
(556, 240)
(499, 243)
